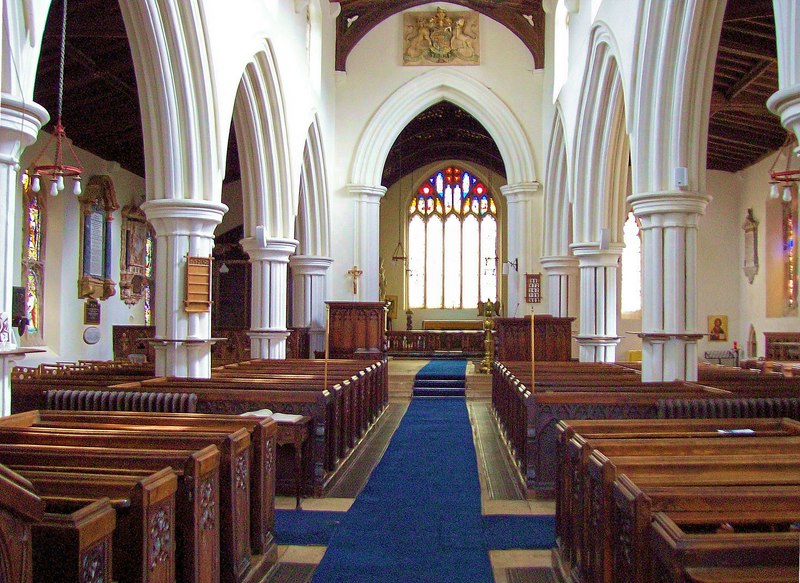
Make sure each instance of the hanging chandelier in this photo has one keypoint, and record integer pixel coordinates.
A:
(782, 182)
(58, 170)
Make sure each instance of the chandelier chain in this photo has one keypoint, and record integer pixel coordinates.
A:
(62, 59)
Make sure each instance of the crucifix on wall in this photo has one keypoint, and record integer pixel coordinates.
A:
(355, 273)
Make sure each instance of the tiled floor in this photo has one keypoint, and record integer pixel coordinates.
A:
(499, 495)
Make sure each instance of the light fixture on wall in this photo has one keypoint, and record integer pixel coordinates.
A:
(57, 171)
(507, 264)
(782, 182)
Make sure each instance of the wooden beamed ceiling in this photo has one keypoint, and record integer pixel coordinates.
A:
(101, 105)
(741, 130)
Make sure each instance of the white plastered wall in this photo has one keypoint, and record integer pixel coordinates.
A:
(63, 310)
(375, 71)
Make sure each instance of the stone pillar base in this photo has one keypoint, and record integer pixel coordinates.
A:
(268, 343)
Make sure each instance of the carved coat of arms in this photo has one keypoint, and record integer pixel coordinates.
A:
(441, 38)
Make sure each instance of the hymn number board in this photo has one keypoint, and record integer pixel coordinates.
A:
(533, 288)
(198, 284)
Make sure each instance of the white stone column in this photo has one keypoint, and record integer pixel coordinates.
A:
(598, 337)
(562, 275)
(367, 222)
(183, 227)
(19, 125)
(669, 282)
(521, 198)
(786, 101)
(270, 262)
(310, 290)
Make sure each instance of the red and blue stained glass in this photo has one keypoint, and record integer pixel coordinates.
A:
(452, 242)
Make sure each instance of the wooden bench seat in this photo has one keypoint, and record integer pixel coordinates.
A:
(674, 550)
(143, 542)
(592, 552)
(20, 508)
(263, 437)
(197, 495)
(572, 506)
(235, 468)
(74, 545)
(634, 507)
(237, 398)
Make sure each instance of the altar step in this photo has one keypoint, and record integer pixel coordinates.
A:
(430, 387)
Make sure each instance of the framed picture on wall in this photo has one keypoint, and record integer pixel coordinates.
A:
(718, 328)
(392, 301)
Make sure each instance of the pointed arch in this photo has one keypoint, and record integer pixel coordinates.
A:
(674, 75)
(184, 146)
(313, 218)
(260, 122)
(602, 148)
(420, 93)
(557, 195)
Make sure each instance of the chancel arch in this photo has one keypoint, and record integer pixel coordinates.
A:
(395, 114)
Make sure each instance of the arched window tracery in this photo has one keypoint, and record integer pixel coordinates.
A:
(452, 242)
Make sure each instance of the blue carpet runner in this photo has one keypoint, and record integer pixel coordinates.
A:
(419, 516)
(441, 378)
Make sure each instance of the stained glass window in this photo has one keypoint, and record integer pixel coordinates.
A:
(148, 288)
(631, 301)
(452, 242)
(790, 254)
(33, 253)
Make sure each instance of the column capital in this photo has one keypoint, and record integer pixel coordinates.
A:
(591, 255)
(310, 264)
(520, 191)
(786, 104)
(177, 216)
(597, 341)
(275, 249)
(669, 208)
(560, 264)
(20, 123)
(366, 193)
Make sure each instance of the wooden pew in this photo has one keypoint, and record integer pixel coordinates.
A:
(74, 545)
(197, 494)
(20, 508)
(144, 547)
(572, 463)
(236, 398)
(634, 507)
(235, 467)
(676, 549)
(592, 556)
(263, 436)
(581, 508)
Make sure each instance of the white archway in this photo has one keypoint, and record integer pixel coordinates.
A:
(417, 95)
(557, 259)
(385, 125)
(599, 190)
(260, 122)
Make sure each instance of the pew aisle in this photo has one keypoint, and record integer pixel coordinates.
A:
(415, 522)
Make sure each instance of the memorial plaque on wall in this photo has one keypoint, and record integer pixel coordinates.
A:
(91, 312)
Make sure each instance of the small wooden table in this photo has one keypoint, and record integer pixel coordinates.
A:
(295, 433)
